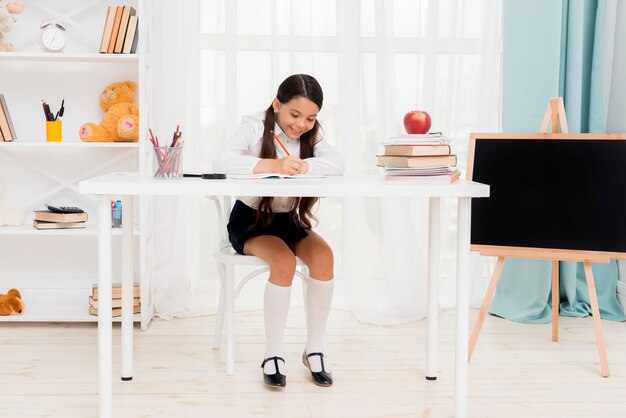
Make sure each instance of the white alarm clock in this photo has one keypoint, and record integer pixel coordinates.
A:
(51, 36)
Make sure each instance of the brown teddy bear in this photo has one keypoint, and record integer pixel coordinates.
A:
(121, 116)
(11, 303)
(7, 18)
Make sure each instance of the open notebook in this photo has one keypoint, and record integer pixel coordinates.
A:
(273, 176)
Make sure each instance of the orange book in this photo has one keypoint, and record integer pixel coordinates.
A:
(121, 34)
(413, 162)
(116, 28)
(108, 28)
(417, 149)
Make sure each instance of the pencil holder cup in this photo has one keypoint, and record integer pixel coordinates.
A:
(168, 162)
(54, 131)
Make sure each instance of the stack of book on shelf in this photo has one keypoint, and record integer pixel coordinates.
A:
(116, 299)
(7, 130)
(46, 219)
(426, 157)
(120, 33)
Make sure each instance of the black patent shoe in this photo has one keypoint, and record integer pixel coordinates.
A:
(322, 378)
(276, 380)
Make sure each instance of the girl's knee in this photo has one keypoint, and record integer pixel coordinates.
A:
(283, 265)
(322, 261)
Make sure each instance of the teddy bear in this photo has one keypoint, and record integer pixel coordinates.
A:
(121, 116)
(11, 303)
(7, 19)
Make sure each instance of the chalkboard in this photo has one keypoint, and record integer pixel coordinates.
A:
(550, 191)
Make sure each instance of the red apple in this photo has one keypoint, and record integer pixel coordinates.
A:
(417, 122)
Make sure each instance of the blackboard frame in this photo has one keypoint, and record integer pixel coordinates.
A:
(532, 251)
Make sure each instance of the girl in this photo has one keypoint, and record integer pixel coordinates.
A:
(288, 139)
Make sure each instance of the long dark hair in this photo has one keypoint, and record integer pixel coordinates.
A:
(297, 85)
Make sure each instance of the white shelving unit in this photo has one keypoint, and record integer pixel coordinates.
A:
(55, 269)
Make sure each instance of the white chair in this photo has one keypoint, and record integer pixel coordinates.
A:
(227, 259)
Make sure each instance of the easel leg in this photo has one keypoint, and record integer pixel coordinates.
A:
(485, 306)
(555, 300)
(595, 311)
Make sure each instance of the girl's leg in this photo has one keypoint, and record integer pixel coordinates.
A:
(318, 256)
(282, 263)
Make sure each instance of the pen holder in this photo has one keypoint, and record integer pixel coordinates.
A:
(54, 131)
(168, 162)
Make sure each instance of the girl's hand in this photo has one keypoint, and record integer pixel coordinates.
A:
(304, 167)
(291, 165)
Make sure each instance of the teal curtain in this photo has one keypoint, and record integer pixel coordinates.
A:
(524, 291)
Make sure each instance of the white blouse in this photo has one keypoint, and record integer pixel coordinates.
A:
(240, 155)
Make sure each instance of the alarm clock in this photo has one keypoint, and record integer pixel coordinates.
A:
(51, 36)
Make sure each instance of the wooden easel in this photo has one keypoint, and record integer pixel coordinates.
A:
(555, 113)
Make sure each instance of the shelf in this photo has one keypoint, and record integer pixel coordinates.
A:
(29, 229)
(68, 57)
(66, 145)
(56, 305)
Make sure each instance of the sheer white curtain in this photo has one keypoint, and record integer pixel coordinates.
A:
(375, 60)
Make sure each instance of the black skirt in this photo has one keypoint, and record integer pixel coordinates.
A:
(242, 217)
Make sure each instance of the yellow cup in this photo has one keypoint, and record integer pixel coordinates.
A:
(54, 131)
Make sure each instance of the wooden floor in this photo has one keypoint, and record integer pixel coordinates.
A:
(50, 370)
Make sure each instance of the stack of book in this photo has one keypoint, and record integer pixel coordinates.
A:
(7, 130)
(120, 33)
(425, 157)
(46, 219)
(116, 300)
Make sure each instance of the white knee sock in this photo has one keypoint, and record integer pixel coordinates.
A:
(319, 296)
(275, 308)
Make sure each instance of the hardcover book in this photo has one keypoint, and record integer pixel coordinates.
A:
(57, 225)
(6, 124)
(115, 311)
(407, 161)
(116, 291)
(49, 216)
(418, 149)
(115, 302)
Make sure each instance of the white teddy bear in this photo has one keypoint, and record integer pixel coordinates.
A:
(7, 18)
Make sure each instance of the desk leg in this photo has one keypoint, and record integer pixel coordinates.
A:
(105, 350)
(434, 235)
(462, 306)
(128, 272)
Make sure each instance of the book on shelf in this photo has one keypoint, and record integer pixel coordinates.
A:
(57, 225)
(127, 12)
(116, 291)
(132, 36)
(412, 162)
(6, 124)
(115, 311)
(49, 216)
(115, 29)
(273, 176)
(115, 303)
(108, 29)
(417, 149)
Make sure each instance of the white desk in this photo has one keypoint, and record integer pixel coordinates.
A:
(131, 184)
